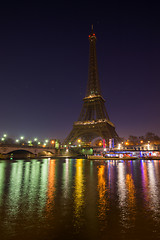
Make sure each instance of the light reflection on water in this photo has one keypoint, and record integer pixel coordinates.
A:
(78, 194)
(102, 202)
(79, 199)
(2, 179)
(153, 190)
(51, 186)
(122, 193)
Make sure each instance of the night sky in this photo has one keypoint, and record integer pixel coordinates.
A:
(44, 55)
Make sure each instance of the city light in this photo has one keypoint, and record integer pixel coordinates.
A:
(79, 140)
(21, 137)
(4, 135)
(35, 139)
(119, 146)
(52, 141)
(2, 139)
(46, 140)
(17, 140)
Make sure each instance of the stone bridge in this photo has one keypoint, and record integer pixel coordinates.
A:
(33, 150)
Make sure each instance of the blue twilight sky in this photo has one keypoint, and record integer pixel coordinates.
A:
(44, 53)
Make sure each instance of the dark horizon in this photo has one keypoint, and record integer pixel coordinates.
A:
(44, 66)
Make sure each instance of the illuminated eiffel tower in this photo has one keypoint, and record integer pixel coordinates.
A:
(93, 120)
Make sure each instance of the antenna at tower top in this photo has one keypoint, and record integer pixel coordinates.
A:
(92, 28)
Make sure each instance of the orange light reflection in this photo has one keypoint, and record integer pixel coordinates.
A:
(51, 185)
(102, 204)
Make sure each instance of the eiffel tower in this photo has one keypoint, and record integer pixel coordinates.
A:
(93, 120)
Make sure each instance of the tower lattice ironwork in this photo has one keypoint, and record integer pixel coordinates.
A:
(93, 120)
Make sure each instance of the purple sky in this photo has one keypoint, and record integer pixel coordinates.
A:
(44, 53)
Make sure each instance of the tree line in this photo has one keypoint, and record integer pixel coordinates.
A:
(148, 137)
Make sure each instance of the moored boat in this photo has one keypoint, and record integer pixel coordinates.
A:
(99, 157)
(151, 158)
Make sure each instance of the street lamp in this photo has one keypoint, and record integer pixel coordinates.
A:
(119, 146)
(21, 137)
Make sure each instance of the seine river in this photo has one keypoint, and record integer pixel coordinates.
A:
(79, 199)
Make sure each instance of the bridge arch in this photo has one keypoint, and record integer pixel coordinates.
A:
(36, 151)
(19, 151)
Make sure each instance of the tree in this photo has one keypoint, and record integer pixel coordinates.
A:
(133, 140)
(152, 138)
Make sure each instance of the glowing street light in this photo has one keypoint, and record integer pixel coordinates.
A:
(79, 140)
(39, 143)
(21, 137)
(2, 138)
(35, 139)
(17, 140)
(46, 140)
(119, 146)
(4, 135)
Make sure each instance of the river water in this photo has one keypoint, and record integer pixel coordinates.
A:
(79, 199)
